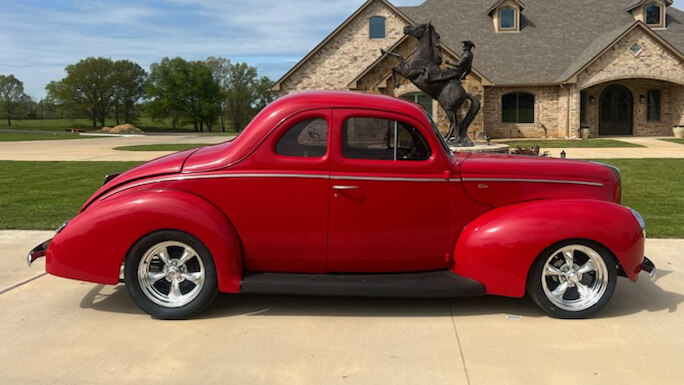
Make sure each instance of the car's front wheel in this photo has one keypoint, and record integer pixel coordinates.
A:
(170, 275)
(574, 279)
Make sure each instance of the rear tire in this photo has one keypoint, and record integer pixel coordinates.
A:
(170, 275)
(573, 279)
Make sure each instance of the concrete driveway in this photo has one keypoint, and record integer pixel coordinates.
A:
(97, 149)
(58, 331)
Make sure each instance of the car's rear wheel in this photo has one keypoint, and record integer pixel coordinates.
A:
(573, 279)
(170, 275)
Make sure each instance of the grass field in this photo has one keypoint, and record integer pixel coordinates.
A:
(678, 141)
(40, 195)
(590, 143)
(18, 136)
(145, 124)
(163, 147)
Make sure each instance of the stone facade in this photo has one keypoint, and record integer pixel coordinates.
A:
(350, 60)
(348, 53)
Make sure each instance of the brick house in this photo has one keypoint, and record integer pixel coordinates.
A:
(543, 68)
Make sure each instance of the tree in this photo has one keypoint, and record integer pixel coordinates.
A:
(129, 86)
(246, 94)
(11, 95)
(220, 70)
(184, 89)
(95, 86)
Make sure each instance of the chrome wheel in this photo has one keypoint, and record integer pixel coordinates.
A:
(575, 277)
(171, 274)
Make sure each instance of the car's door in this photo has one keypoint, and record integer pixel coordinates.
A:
(388, 200)
(277, 199)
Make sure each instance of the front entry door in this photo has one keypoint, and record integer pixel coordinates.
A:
(388, 200)
(616, 111)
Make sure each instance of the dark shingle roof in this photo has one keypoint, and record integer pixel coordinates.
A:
(557, 36)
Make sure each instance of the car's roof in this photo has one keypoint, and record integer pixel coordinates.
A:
(345, 99)
(215, 157)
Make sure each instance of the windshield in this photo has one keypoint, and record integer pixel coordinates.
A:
(442, 141)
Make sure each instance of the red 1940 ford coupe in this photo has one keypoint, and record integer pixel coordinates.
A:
(340, 193)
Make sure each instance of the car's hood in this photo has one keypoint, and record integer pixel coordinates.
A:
(505, 179)
(169, 164)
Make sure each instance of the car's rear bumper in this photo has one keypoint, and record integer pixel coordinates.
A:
(648, 266)
(38, 252)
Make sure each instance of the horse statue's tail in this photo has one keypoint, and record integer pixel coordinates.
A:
(472, 112)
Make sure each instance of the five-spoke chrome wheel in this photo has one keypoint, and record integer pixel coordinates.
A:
(573, 280)
(574, 277)
(170, 274)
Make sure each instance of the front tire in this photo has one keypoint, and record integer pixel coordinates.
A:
(573, 279)
(170, 275)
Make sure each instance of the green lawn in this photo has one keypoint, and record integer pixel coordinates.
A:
(163, 147)
(590, 143)
(40, 195)
(19, 136)
(655, 188)
(678, 141)
(145, 124)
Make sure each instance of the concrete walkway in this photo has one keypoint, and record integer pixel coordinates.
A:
(653, 148)
(58, 331)
(99, 149)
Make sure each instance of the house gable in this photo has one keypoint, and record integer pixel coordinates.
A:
(637, 53)
(336, 61)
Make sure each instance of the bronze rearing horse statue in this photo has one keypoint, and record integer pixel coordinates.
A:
(447, 90)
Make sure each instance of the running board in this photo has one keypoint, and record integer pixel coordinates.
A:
(432, 284)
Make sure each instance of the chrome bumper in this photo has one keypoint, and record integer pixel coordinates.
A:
(37, 252)
(650, 268)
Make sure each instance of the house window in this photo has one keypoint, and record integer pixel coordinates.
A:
(420, 98)
(517, 107)
(654, 15)
(377, 27)
(507, 19)
(307, 139)
(382, 139)
(653, 107)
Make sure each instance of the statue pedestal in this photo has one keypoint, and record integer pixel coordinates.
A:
(483, 148)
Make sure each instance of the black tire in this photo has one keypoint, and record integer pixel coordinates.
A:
(191, 286)
(585, 292)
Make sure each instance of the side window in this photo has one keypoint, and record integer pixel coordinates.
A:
(382, 139)
(308, 138)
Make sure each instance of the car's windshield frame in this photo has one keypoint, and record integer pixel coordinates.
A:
(440, 138)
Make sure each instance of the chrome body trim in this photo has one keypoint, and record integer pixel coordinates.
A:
(254, 175)
(524, 180)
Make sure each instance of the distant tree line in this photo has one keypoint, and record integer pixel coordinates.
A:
(205, 94)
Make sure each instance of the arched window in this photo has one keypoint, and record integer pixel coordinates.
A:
(517, 107)
(654, 14)
(376, 27)
(420, 98)
(508, 19)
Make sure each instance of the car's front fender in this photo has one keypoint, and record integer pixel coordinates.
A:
(499, 247)
(94, 244)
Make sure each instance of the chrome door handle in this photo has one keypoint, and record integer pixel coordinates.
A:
(337, 187)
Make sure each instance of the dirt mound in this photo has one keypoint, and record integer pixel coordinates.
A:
(122, 129)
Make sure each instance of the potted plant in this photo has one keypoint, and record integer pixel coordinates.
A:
(585, 132)
(678, 131)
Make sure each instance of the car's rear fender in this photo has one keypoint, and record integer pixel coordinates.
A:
(499, 247)
(93, 245)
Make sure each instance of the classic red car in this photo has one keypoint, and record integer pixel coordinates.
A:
(341, 193)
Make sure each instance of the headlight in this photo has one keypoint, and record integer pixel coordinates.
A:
(639, 219)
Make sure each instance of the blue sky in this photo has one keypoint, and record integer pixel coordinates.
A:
(38, 38)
